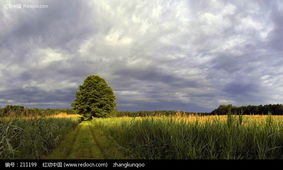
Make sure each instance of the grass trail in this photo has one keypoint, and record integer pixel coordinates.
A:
(86, 142)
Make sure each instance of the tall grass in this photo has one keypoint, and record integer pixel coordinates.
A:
(32, 138)
(174, 138)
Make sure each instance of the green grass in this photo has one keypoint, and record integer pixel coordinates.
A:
(86, 142)
(32, 138)
(170, 138)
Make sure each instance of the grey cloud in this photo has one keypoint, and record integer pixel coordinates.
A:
(276, 36)
(161, 105)
(162, 55)
(240, 89)
(63, 25)
(38, 96)
(156, 75)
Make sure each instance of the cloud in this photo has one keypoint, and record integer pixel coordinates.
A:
(156, 55)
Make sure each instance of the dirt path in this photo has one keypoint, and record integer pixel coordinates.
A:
(86, 142)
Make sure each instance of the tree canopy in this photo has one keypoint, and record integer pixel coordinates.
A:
(94, 98)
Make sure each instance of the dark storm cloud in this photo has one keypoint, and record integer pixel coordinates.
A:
(276, 36)
(240, 89)
(155, 75)
(156, 55)
(35, 95)
(72, 69)
(152, 105)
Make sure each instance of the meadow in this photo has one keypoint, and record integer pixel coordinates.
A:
(197, 137)
(164, 135)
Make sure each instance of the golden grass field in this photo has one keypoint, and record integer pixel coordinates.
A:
(59, 115)
(212, 118)
(63, 115)
(177, 136)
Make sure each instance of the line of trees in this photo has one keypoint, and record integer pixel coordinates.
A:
(274, 109)
(18, 111)
(156, 113)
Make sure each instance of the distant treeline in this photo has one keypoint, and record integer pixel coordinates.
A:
(14, 110)
(274, 109)
(156, 113)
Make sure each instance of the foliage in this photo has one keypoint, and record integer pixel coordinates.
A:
(156, 113)
(94, 98)
(274, 109)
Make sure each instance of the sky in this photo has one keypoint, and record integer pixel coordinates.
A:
(156, 55)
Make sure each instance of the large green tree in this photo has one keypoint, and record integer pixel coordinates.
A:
(94, 98)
